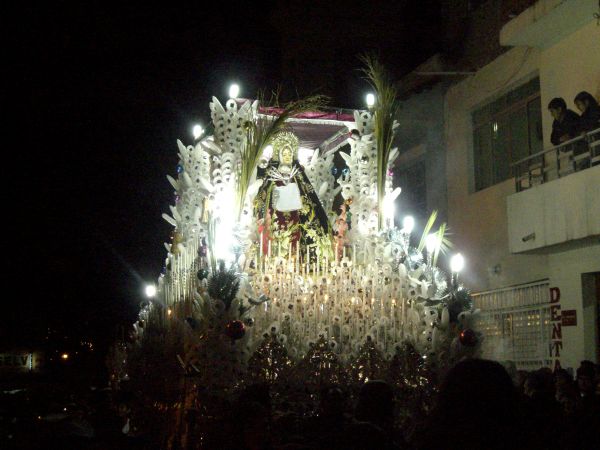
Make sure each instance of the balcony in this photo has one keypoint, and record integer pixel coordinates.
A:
(558, 195)
(546, 22)
(556, 162)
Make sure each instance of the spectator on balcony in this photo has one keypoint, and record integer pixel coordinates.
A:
(590, 112)
(566, 122)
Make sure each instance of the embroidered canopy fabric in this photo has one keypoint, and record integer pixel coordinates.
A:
(326, 130)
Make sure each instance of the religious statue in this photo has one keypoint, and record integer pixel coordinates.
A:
(287, 207)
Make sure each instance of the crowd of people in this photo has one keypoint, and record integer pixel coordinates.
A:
(479, 404)
(567, 123)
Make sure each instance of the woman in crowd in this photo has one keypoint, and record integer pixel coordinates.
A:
(590, 112)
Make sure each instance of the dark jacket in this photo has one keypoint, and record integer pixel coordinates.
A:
(569, 125)
(590, 119)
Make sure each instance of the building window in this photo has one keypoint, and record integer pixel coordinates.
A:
(516, 323)
(505, 131)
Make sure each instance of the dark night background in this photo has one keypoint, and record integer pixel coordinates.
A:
(99, 94)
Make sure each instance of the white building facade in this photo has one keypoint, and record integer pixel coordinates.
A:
(530, 231)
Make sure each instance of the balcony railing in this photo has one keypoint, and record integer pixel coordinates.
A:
(556, 162)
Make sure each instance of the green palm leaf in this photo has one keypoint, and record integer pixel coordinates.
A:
(260, 133)
(385, 110)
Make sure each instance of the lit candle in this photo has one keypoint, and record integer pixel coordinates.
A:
(260, 245)
(307, 259)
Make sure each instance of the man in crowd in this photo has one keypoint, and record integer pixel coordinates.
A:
(566, 122)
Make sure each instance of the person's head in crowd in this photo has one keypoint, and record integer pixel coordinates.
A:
(511, 369)
(540, 383)
(364, 435)
(256, 393)
(254, 425)
(473, 386)
(557, 108)
(585, 100)
(520, 378)
(332, 403)
(375, 403)
(586, 375)
(562, 378)
(564, 385)
(476, 405)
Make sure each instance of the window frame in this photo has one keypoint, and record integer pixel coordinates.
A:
(478, 127)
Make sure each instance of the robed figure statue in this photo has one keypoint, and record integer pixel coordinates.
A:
(287, 207)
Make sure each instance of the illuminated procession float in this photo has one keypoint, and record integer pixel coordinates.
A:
(288, 270)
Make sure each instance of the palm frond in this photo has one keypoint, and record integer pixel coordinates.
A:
(385, 110)
(445, 243)
(224, 284)
(260, 133)
(426, 230)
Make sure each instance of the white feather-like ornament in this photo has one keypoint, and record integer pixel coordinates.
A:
(175, 213)
(424, 289)
(315, 157)
(445, 318)
(393, 195)
(182, 148)
(211, 147)
(393, 155)
(402, 271)
(216, 106)
(187, 180)
(206, 185)
(323, 188)
(173, 182)
(245, 108)
(169, 219)
(197, 214)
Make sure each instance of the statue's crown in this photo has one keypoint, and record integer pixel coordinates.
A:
(285, 139)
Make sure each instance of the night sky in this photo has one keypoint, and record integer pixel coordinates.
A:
(98, 96)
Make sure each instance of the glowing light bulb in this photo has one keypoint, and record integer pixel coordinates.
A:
(431, 242)
(457, 263)
(234, 91)
(408, 224)
(150, 291)
(197, 131)
(370, 100)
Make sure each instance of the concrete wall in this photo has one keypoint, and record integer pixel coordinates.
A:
(421, 136)
(569, 67)
(552, 213)
(565, 270)
(478, 220)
